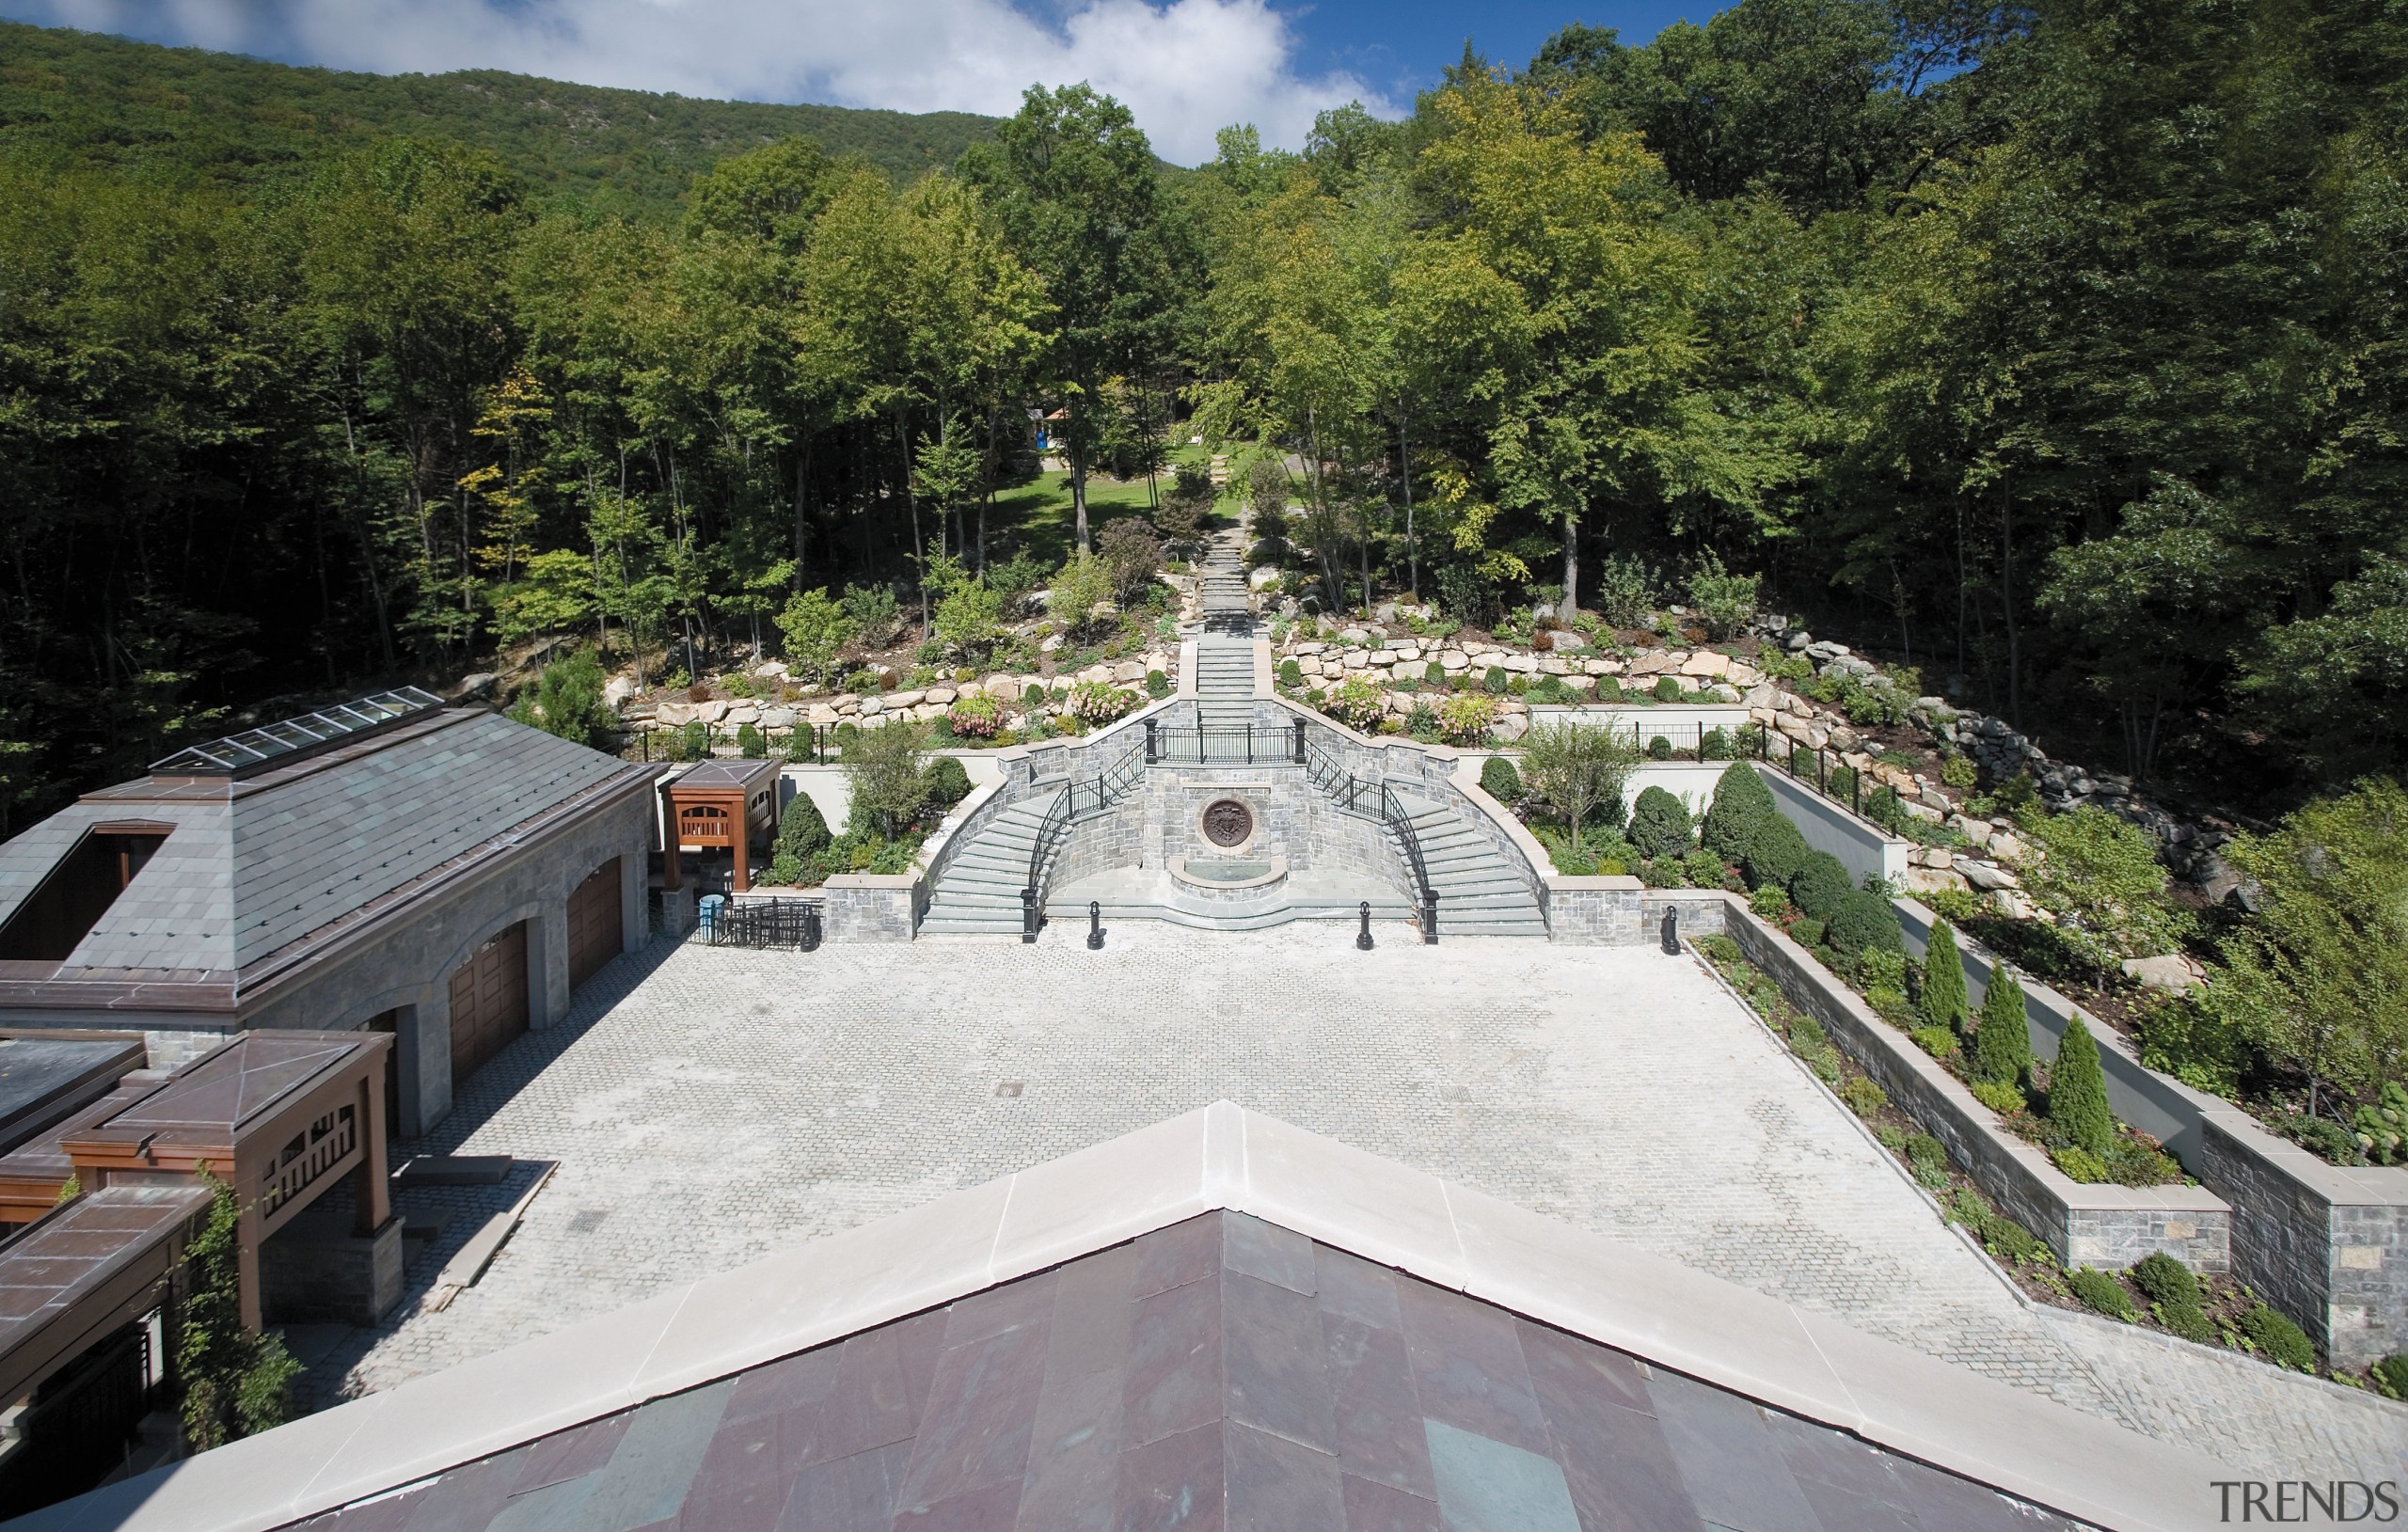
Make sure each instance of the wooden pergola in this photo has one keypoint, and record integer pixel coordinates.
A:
(280, 1116)
(718, 804)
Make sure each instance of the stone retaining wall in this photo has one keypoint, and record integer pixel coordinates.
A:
(2326, 1244)
(2106, 1226)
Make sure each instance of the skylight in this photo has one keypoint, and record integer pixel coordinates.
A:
(252, 746)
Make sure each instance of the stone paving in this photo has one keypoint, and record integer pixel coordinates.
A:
(708, 1105)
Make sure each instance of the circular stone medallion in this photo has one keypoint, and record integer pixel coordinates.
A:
(1228, 823)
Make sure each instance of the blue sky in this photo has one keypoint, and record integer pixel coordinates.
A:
(1401, 46)
(1185, 67)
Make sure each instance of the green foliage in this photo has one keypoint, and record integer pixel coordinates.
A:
(1660, 748)
(871, 614)
(750, 743)
(2081, 1164)
(1863, 922)
(1157, 685)
(1499, 780)
(1495, 681)
(968, 618)
(1942, 1002)
(816, 630)
(1133, 553)
(802, 835)
(2002, 1041)
(1939, 1042)
(1862, 1096)
(2099, 1292)
(2078, 1092)
(1820, 885)
(1812, 1046)
(1928, 1158)
(948, 781)
(567, 702)
(2391, 1375)
(235, 1380)
(2174, 1294)
(1776, 853)
(1703, 869)
(2383, 1126)
(1742, 805)
(1714, 745)
(2101, 879)
(2001, 1235)
(2319, 979)
(1080, 595)
(2273, 1336)
(1356, 704)
(1577, 770)
(1622, 591)
(887, 770)
(691, 742)
(1665, 689)
(1770, 902)
(1725, 602)
(1659, 825)
(975, 716)
(2003, 1100)
(1956, 770)
(1464, 720)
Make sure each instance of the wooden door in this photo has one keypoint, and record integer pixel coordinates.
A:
(488, 1001)
(594, 937)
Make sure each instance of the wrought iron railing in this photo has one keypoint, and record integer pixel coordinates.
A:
(1079, 800)
(1374, 798)
(1222, 744)
(765, 922)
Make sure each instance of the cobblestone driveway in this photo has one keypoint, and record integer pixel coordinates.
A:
(710, 1105)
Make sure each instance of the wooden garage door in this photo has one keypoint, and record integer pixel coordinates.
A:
(594, 937)
(488, 1001)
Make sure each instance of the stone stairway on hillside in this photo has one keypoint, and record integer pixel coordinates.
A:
(1222, 593)
(980, 888)
(1479, 894)
(1225, 680)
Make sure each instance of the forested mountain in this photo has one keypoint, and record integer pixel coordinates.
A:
(80, 98)
(2058, 349)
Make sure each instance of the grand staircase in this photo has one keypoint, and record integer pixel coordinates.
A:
(1479, 894)
(980, 891)
(1225, 680)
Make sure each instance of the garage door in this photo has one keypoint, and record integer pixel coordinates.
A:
(488, 1001)
(594, 923)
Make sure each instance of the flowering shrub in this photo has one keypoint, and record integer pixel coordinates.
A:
(1355, 703)
(975, 718)
(1465, 718)
(1100, 701)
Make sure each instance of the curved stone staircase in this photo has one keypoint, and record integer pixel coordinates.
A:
(979, 891)
(1478, 892)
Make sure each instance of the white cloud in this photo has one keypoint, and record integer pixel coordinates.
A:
(1186, 67)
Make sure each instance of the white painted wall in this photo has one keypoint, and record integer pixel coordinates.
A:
(1670, 720)
(832, 791)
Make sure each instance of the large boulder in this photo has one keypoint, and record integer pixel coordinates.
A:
(1706, 662)
(2174, 972)
(616, 691)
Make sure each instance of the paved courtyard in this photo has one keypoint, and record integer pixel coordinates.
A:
(708, 1106)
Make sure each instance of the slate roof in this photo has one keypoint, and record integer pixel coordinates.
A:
(1221, 1372)
(254, 865)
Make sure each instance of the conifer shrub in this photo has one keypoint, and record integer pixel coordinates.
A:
(1497, 681)
(750, 743)
(2391, 1375)
(1659, 825)
(1820, 885)
(1666, 689)
(1864, 921)
(1158, 685)
(1499, 780)
(1775, 853)
(2078, 1108)
(803, 835)
(2101, 1291)
(2002, 1040)
(1939, 1042)
(1944, 999)
(1742, 804)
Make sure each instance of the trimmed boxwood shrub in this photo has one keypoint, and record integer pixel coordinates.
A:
(1608, 689)
(2173, 1293)
(1742, 804)
(1775, 853)
(948, 782)
(2078, 1093)
(1660, 748)
(1863, 922)
(1666, 689)
(2101, 1291)
(1500, 780)
(1820, 886)
(1290, 673)
(1659, 825)
(2279, 1341)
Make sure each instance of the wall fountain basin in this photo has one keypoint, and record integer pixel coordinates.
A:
(1228, 877)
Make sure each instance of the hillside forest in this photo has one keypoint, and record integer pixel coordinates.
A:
(2055, 350)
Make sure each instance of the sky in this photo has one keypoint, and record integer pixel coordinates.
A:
(1186, 67)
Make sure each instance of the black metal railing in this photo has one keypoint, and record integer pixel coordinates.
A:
(1222, 744)
(1821, 769)
(1079, 800)
(804, 742)
(1374, 798)
(765, 922)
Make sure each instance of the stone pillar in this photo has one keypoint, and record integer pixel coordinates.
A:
(422, 1054)
(635, 920)
(547, 966)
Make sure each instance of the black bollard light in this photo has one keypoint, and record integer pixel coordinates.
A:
(1673, 932)
(1363, 938)
(1095, 926)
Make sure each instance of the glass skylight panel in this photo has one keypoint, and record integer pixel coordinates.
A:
(286, 736)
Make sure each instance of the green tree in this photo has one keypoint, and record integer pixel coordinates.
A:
(235, 1380)
(2002, 1041)
(1659, 824)
(816, 630)
(1943, 1000)
(2078, 1090)
(567, 702)
(2101, 879)
(2319, 977)
(886, 768)
(1081, 587)
(1578, 769)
